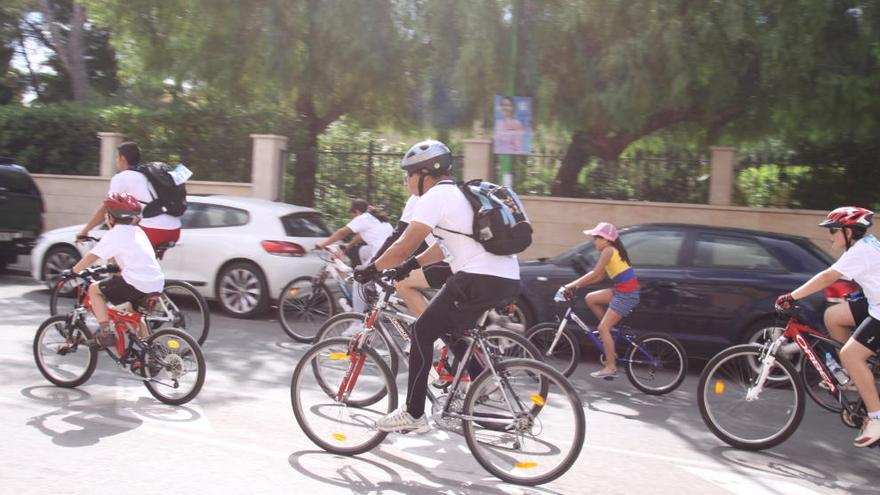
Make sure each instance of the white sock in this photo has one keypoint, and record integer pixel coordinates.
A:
(874, 415)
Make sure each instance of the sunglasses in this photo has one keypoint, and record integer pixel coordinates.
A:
(833, 230)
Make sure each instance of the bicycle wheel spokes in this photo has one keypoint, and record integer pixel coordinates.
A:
(740, 413)
(328, 383)
(656, 364)
(176, 366)
(183, 308)
(564, 357)
(302, 307)
(524, 425)
(62, 354)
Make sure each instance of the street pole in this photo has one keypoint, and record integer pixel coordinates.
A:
(506, 161)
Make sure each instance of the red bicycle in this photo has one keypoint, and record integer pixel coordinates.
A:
(168, 361)
(752, 397)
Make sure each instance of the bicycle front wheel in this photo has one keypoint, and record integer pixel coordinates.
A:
(525, 423)
(565, 355)
(656, 364)
(742, 413)
(329, 417)
(302, 307)
(182, 307)
(175, 365)
(62, 354)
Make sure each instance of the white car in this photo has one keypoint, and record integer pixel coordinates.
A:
(236, 250)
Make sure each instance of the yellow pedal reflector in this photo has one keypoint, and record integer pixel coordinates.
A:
(293, 291)
(537, 399)
(526, 465)
(173, 344)
(339, 437)
(338, 355)
(719, 387)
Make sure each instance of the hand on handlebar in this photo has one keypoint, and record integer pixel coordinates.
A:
(564, 294)
(402, 271)
(784, 303)
(365, 274)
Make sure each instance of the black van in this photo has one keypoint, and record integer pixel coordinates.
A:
(21, 213)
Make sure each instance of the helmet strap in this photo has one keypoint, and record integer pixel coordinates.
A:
(847, 237)
(422, 184)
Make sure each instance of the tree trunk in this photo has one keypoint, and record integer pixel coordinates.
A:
(583, 145)
(70, 48)
(305, 146)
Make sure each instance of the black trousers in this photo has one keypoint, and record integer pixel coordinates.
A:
(457, 307)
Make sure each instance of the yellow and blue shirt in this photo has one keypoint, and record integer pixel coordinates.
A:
(621, 273)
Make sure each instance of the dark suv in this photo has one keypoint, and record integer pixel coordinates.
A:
(21, 212)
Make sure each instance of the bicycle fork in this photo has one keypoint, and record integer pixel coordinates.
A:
(768, 361)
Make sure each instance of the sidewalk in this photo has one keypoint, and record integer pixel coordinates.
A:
(22, 266)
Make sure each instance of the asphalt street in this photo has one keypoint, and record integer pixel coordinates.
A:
(240, 436)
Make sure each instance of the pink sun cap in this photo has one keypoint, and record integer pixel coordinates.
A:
(604, 230)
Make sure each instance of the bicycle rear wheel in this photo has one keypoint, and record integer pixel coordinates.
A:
(739, 416)
(303, 306)
(182, 307)
(62, 354)
(175, 365)
(656, 364)
(566, 353)
(508, 344)
(525, 423)
(330, 418)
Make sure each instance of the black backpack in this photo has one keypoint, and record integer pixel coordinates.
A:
(170, 197)
(500, 221)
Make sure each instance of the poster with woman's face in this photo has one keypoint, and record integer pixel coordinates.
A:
(513, 125)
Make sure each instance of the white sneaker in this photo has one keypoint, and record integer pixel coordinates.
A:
(402, 421)
(870, 433)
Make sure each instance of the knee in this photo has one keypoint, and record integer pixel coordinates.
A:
(849, 356)
(95, 290)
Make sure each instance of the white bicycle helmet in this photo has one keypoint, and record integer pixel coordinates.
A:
(431, 156)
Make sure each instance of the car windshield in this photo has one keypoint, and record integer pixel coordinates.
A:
(305, 224)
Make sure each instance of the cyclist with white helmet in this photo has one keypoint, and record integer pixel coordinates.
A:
(860, 262)
(130, 248)
(480, 280)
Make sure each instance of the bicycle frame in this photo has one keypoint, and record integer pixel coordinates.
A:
(122, 322)
(593, 334)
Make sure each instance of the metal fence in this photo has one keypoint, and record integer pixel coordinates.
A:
(668, 179)
(347, 173)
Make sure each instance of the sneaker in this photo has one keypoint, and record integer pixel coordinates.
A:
(402, 421)
(605, 375)
(105, 337)
(870, 433)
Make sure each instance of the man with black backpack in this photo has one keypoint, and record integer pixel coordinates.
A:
(159, 223)
(481, 280)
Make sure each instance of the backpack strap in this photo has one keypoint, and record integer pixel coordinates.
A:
(461, 187)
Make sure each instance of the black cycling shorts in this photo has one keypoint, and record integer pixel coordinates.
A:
(437, 274)
(867, 327)
(118, 291)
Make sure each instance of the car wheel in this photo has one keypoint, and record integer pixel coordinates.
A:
(58, 259)
(242, 290)
(769, 330)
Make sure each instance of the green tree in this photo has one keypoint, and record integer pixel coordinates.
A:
(323, 59)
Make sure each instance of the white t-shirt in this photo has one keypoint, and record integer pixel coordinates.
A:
(407, 214)
(444, 206)
(134, 254)
(371, 230)
(861, 263)
(136, 184)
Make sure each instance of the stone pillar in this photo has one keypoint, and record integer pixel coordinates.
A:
(721, 182)
(266, 167)
(478, 163)
(109, 142)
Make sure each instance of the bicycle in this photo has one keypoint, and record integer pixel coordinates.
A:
(308, 299)
(655, 363)
(505, 414)
(394, 346)
(168, 361)
(180, 304)
(751, 396)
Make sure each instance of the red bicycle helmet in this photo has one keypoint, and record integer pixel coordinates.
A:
(848, 216)
(122, 205)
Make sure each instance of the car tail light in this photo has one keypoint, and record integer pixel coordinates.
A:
(836, 292)
(283, 248)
